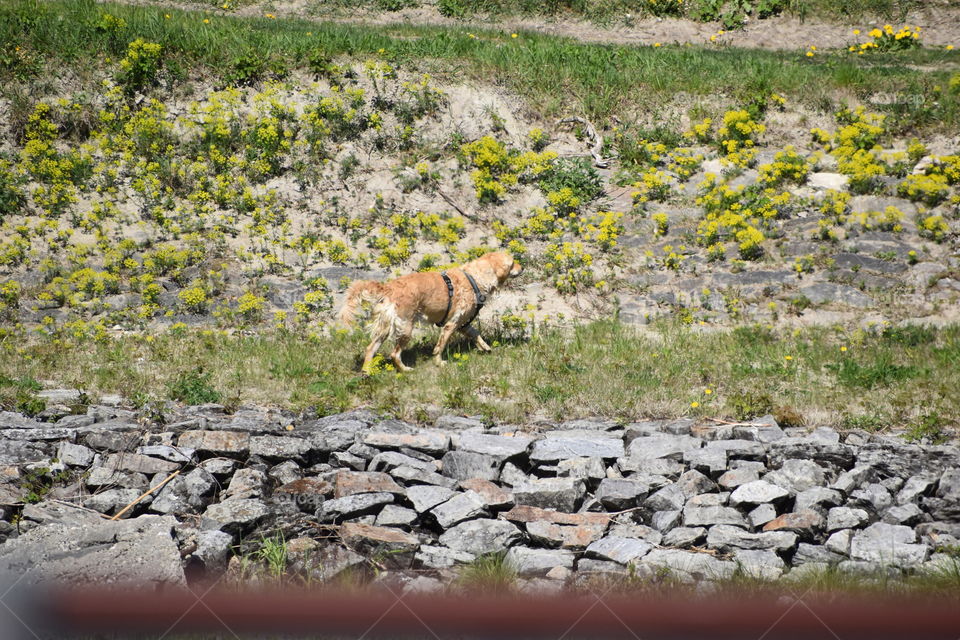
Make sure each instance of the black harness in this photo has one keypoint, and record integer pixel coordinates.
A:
(478, 296)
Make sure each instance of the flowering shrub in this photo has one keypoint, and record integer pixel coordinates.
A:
(498, 169)
(888, 39)
(933, 227)
(140, 66)
(787, 166)
(568, 266)
(929, 189)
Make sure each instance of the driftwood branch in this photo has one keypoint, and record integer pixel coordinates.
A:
(598, 159)
(741, 424)
(145, 494)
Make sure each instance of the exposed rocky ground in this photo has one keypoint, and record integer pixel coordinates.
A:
(361, 496)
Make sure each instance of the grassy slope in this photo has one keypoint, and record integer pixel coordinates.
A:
(558, 74)
(901, 378)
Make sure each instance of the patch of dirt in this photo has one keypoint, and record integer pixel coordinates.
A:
(940, 25)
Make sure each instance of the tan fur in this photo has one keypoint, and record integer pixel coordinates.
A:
(400, 302)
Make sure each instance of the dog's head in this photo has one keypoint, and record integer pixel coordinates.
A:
(503, 265)
(494, 268)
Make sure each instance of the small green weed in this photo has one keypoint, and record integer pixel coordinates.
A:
(194, 387)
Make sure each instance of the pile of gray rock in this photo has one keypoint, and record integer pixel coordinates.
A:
(349, 492)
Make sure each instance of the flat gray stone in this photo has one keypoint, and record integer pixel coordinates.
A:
(618, 549)
(797, 475)
(617, 494)
(136, 552)
(358, 504)
(737, 477)
(437, 557)
(562, 494)
(393, 515)
(688, 566)
(762, 514)
(529, 562)
(463, 465)
(75, 455)
(432, 442)
(757, 492)
(481, 536)
(762, 565)
(662, 446)
(846, 518)
(558, 448)
(888, 545)
(694, 516)
(500, 447)
(726, 537)
(234, 516)
(684, 536)
(818, 497)
(460, 507)
(426, 497)
(279, 447)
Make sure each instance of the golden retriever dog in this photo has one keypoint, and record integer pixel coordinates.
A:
(427, 295)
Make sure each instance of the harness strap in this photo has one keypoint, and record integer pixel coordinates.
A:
(480, 298)
(449, 283)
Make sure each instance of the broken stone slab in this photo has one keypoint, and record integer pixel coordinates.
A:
(223, 442)
(562, 494)
(737, 477)
(437, 557)
(906, 514)
(565, 536)
(138, 463)
(667, 498)
(135, 552)
(797, 475)
(807, 523)
(664, 521)
(741, 449)
(621, 550)
(352, 506)
(234, 516)
(555, 447)
(684, 536)
(167, 452)
(846, 518)
(390, 460)
(915, 487)
(583, 468)
(75, 455)
(396, 545)
(426, 497)
(839, 541)
(818, 498)
(461, 506)
(694, 516)
(619, 494)
(688, 566)
(726, 537)
(853, 478)
(874, 496)
(757, 492)
(493, 496)
(411, 476)
(348, 483)
(762, 514)
(463, 465)
(323, 563)
(395, 516)
(481, 536)
(839, 456)
(665, 467)
(246, 483)
(692, 483)
(888, 545)
(758, 564)
(111, 501)
(431, 442)
(526, 513)
(306, 493)
(662, 446)
(529, 562)
(279, 448)
(285, 472)
(499, 447)
(213, 551)
(711, 462)
(104, 477)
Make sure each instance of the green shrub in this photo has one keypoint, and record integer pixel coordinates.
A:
(193, 387)
(576, 174)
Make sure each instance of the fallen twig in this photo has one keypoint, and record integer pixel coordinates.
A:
(145, 494)
(741, 424)
(597, 140)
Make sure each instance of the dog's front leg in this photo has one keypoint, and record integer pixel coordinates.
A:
(474, 335)
(445, 335)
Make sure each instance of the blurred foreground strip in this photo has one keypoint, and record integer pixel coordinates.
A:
(378, 614)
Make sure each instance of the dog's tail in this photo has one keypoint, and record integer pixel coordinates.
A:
(359, 292)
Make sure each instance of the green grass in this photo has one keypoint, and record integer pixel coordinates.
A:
(559, 75)
(489, 573)
(599, 369)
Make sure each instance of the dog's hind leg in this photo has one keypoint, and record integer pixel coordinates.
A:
(445, 335)
(382, 327)
(403, 330)
(474, 335)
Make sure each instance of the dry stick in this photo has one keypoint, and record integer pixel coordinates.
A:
(454, 205)
(597, 140)
(146, 493)
(741, 424)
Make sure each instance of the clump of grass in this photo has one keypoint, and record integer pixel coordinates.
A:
(489, 573)
(273, 552)
(194, 387)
